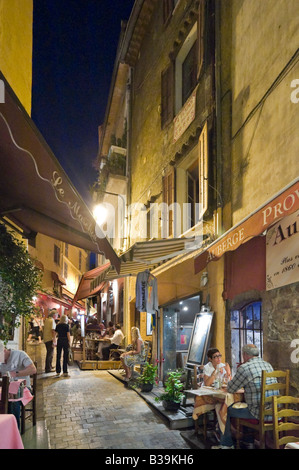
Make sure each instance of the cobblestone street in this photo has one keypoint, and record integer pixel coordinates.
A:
(94, 410)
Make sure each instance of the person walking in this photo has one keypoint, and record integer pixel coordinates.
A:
(49, 336)
(63, 344)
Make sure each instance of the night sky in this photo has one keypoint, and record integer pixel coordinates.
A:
(74, 48)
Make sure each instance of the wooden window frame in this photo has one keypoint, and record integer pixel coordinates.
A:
(168, 184)
(168, 7)
(203, 166)
(167, 95)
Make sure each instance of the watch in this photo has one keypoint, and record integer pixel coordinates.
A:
(17, 372)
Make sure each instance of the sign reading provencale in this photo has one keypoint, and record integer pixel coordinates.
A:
(282, 252)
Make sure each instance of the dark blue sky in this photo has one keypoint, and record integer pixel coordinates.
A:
(74, 47)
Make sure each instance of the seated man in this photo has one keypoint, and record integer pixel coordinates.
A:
(20, 366)
(115, 341)
(248, 376)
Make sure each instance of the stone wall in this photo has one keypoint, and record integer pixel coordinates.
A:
(281, 327)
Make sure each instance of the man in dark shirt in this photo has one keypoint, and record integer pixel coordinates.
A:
(63, 344)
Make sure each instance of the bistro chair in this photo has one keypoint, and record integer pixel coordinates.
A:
(4, 384)
(283, 421)
(144, 360)
(279, 388)
(29, 410)
(114, 354)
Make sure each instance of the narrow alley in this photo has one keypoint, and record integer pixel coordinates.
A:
(93, 410)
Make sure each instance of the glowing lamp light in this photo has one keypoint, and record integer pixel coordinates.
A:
(100, 213)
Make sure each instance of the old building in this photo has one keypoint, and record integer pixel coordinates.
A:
(210, 121)
(37, 200)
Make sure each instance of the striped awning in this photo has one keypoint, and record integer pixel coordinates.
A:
(141, 256)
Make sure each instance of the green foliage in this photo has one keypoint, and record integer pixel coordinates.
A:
(173, 388)
(20, 280)
(149, 374)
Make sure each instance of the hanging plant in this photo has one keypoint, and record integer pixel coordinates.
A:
(20, 280)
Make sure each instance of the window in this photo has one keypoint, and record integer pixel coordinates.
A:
(65, 270)
(167, 92)
(193, 193)
(246, 328)
(168, 199)
(203, 170)
(66, 249)
(57, 255)
(189, 73)
(168, 6)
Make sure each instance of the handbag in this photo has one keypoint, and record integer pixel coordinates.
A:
(70, 357)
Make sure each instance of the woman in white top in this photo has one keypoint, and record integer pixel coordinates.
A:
(213, 366)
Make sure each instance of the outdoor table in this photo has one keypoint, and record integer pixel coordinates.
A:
(209, 398)
(10, 437)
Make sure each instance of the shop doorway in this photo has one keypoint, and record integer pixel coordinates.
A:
(178, 319)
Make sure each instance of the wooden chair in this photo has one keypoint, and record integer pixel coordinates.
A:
(280, 388)
(4, 384)
(30, 408)
(281, 419)
(146, 356)
(114, 354)
(90, 348)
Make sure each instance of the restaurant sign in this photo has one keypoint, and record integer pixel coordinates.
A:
(184, 118)
(279, 207)
(282, 252)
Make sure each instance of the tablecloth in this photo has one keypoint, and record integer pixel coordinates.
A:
(10, 437)
(209, 399)
(13, 390)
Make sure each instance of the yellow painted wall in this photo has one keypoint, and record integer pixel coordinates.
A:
(16, 18)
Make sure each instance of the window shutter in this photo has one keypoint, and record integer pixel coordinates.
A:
(168, 198)
(203, 170)
(200, 36)
(167, 95)
(168, 6)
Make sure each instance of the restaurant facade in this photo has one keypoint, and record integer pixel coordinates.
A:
(207, 120)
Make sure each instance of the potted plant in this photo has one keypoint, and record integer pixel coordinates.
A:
(148, 377)
(172, 395)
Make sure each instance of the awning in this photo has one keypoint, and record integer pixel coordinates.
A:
(284, 203)
(58, 278)
(35, 192)
(141, 256)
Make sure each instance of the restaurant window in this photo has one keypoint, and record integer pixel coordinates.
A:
(246, 328)
(167, 95)
(56, 255)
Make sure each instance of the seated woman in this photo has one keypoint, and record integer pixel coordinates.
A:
(132, 357)
(215, 366)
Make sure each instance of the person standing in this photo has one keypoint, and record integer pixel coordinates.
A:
(63, 344)
(50, 339)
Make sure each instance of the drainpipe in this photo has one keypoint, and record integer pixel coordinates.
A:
(218, 116)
